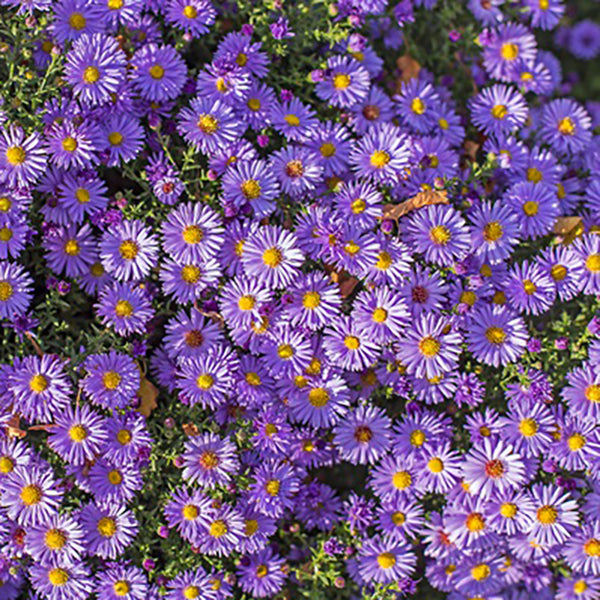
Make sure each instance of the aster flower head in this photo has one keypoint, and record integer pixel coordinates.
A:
(275, 485)
(158, 72)
(294, 120)
(262, 574)
(346, 82)
(499, 110)
(22, 158)
(192, 16)
(126, 308)
(385, 560)
(556, 516)
(506, 45)
(15, 290)
(566, 125)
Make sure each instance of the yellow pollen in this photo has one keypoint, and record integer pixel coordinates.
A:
(272, 257)
(16, 155)
(252, 379)
(209, 460)
(55, 539)
(534, 175)
(72, 248)
(363, 434)
(157, 72)
(69, 144)
(575, 442)
(386, 560)
(121, 588)
(592, 263)
(499, 111)
(528, 427)
(38, 384)
(107, 527)
(341, 81)
(485, 431)
(379, 159)
(7, 465)
(270, 429)
(544, 4)
(91, 75)
(292, 120)
(580, 586)
(384, 261)
(475, 522)
(123, 309)
(115, 138)
(208, 124)
(417, 438)
(241, 59)
(468, 297)
(5, 204)
(592, 547)
(352, 248)
(205, 381)
(251, 189)
(77, 21)
(358, 206)
(31, 495)
(191, 274)
(401, 480)
(251, 527)
(398, 518)
(417, 106)
(285, 351)
(547, 515)
(254, 104)
(480, 572)
(440, 235)
(262, 571)
(246, 303)
(509, 51)
(435, 465)
(592, 393)
(508, 510)
(311, 300)
(114, 477)
(111, 380)
(272, 487)
(566, 126)
(190, 12)
(318, 397)
(82, 195)
(191, 592)
(558, 272)
(115, 4)
(218, 529)
(352, 342)
(124, 437)
(327, 150)
(6, 234)
(78, 433)
(495, 335)
(192, 234)
(380, 315)
(492, 231)
(429, 346)
(58, 577)
(190, 512)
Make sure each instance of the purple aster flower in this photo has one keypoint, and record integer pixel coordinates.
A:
(128, 438)
(578, 446)
(22, 159)
(297, 169)
(74, 18)
(385, 560)
(241, 301)
(78, 435)
(70, 145)
(467, 524)
(545, 13)
(111, 484)
(108, 529)
(556, 514)
(223, 531)
(582, 394)
(499, 110)
(209, 460)
(209, 124)
(120, 579)
(30, 495)
(507, 45)
(584, 40)
(496, 336)
(374, 109)
(529, 288)
(120, 138)
(582, 550)
(15, 290)
(40, 387)
(261, 574)
(345, 83)
(158, 72)
(62, 582)
(346, 346)
(417, 104)
(564, 269)
(126, 308)
(257, 107)
(363, 435)
(494, 231)
(587, 251)
(428, 349)
(193, 16)
(494, 466)
(189, 336)
(81, 194)
(193, 584)
(528, 428)
(275, 485)
(95, 68)
(438, 470)
(509, 511)
(71, 250)
(239, 48)
(566, 125)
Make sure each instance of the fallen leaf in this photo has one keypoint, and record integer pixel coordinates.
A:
(147, 395)
(14, 427)
(471, 148)
(190, 429)
(426, 198)
(568, 228)
(345, 281)
(408, 66)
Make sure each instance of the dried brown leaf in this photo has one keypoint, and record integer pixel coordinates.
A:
(14, 427)
(408, 66)
(568, 228)
(190, 429)
(147, 395)
(426, 198)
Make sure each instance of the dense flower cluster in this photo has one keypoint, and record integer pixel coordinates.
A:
(340, 291)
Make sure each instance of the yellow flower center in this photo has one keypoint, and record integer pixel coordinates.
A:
(190, 12)
(82, 195)
(115, 477)
(121, 588)
(58, 577)
(115, 4)
(492, 231)
(205, 381)
(401, 480)
(429, 346)
(16, 155)
(292, 120)
(6, 234)
(575, 442)
(327, 150)
(285, 351)
(91, 75)
(254, 104)
(31, 495)
(157, 72)
(107, 527)
(499, 111)
(380, 315)
(480, 572)
(69, 144)
(115, 138)
(352, 342)
(379, 159)
(270, 429)
(77, 21)
(208, 124)
(318, 397)
(191, 274)
(246, 303)
(72, 248)
(38, 384)
(78, 433)
(124, 437)
(509, 51)
(311, 300)
(566, 126)
(5, 204)
(384, 261)
(252, 379)
(341, 81)
(417, 106)
(547, 515)
(528, 427)
(593, 263)
(209, 460)
(272, 487)
(417, 438)
(440, 235)
(558, 272)
(251, 189)
(534, 175)
(386, 560)
(398, 518)
(592, 547)
(508, 510)
(111, 380)
(6, 291)
(190, 512)
(592, 393)
(272, 257)
(363, 434)
(241, 59)
(475, 522)
(435, 465)
(55, 539)
(262, 571)
(7, 465)
(530, 208)
(251, 527)
(191, 592)
(580, 586)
